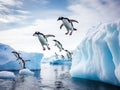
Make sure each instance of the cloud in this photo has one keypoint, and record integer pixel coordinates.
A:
(22, 12)
(11, 18)
(11, 2)
(106, 10)
(42, 1)
(11, 12)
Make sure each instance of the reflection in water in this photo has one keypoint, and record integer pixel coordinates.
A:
(53, 77)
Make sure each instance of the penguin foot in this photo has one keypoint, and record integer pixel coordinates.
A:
(44, 49)
(48, 48)
(66, 33)
(71, 33)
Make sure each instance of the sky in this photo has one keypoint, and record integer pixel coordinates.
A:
(19, 19)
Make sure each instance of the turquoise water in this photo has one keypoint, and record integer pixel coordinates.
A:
(53, 77)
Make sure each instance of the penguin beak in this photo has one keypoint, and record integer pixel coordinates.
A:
(33, 34)
(58, 19)
(12, 52)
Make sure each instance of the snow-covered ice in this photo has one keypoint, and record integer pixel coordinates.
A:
(7, 75)
(59, 61)
(98, 55)
(8, 60)
(26, 72)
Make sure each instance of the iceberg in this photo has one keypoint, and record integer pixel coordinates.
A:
(98, 56)
(56, 61)
(60, 62)
(9, 62)
(7, 75)
(26, 72)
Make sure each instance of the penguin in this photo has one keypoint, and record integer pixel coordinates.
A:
(62, 57)
(56, 55)
(43, 39)
(69, 55)
(17, 55)
(68, 23)
(59, 45)
(21, 61)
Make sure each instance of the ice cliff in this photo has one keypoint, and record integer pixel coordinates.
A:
(8, 60)
(98, 55)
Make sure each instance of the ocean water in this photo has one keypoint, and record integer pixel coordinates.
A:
(53, 77)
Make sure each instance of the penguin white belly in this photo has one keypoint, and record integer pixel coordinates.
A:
(21, 63)
(42, 40)
(68, 25)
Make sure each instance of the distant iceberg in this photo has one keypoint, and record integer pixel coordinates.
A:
(98, 55)
(60, 62)
(8, 60)
(53, 61)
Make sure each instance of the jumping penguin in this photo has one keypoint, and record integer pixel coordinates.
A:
(68, 23)
(21, 61)
(17, 55)
(43, 39)
(69, 55)
(59, 45)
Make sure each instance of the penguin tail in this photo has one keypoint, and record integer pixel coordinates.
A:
(74, 29)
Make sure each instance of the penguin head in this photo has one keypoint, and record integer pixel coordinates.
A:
(66, 50)
(13, 52)
(60, 18)
(54, 40)
(36, 33)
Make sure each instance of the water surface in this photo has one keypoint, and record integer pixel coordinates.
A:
(53, 77)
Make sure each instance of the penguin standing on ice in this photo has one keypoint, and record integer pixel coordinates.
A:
(21, 61)
(59, 45)
(69, 55)
(68, 23)
(43, 39)
(62, 57)
(56, 55)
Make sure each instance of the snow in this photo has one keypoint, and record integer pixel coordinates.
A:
(7, 75)
(98, 55)
(8, 60)
(26, 72)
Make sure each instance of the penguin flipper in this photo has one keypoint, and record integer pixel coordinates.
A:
(49, 35)
(61, 26)
(74, 21)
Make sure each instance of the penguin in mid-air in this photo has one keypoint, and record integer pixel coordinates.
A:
(21, 61)
(69, 55)
(59, 45)
(43, 39)
(68, 23)
(17, 55)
